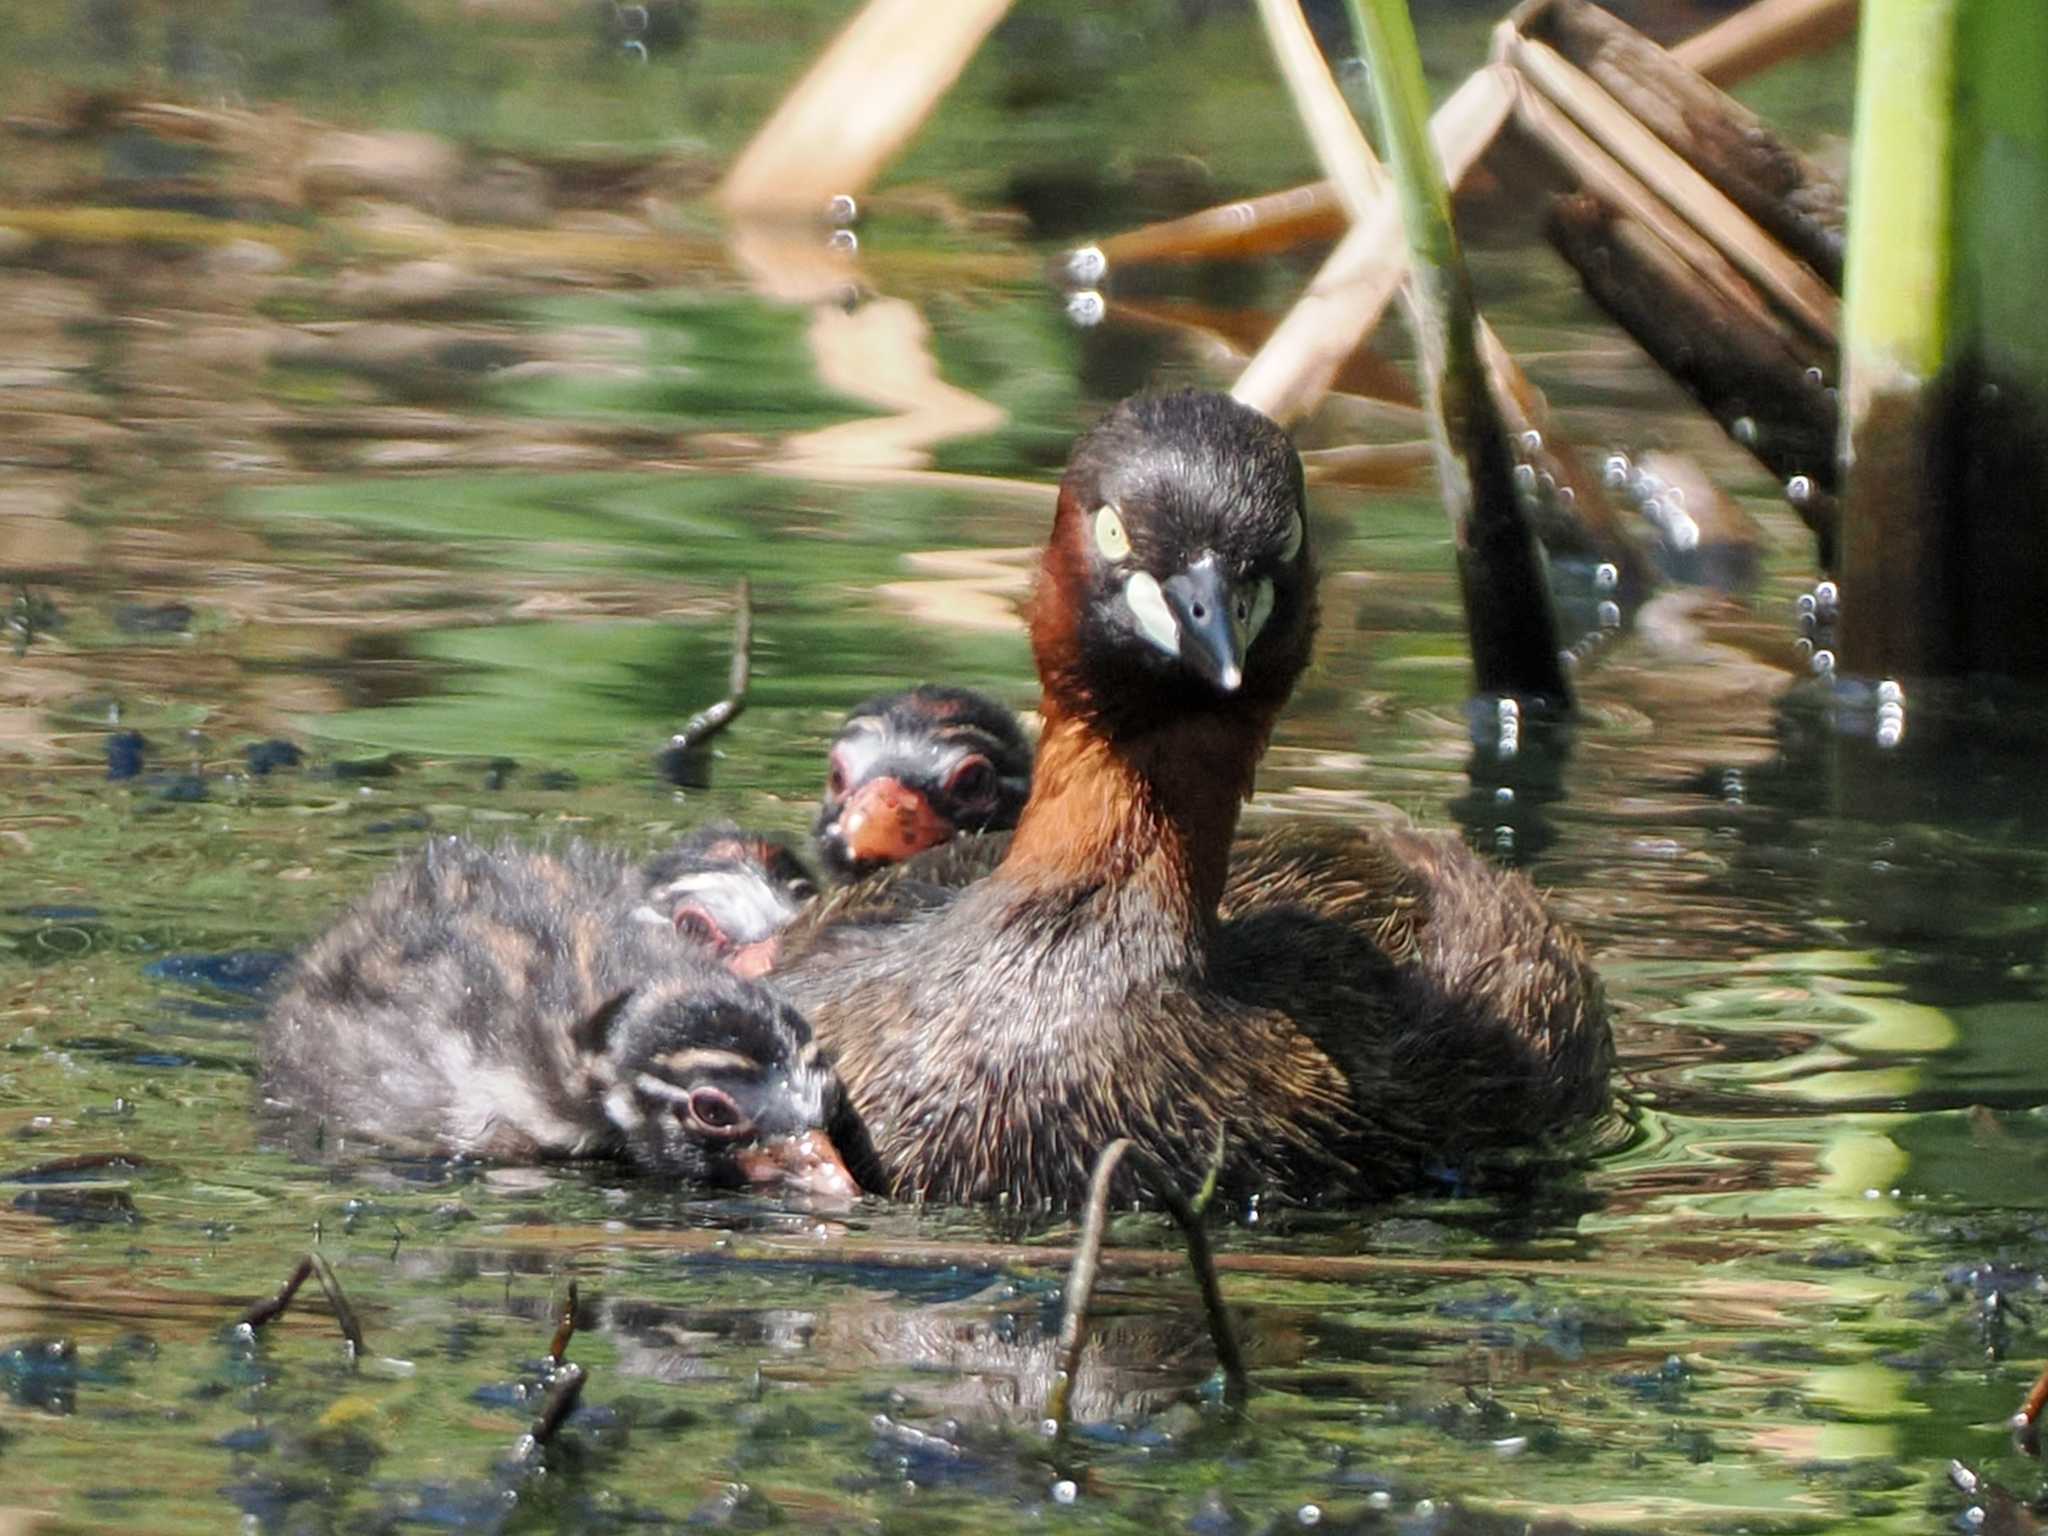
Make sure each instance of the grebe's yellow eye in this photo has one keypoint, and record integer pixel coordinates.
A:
(1293, 545)
(1110, 537)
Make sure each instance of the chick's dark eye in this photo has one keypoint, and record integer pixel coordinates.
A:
(974, 779)
(712, 1112)
(835, 781)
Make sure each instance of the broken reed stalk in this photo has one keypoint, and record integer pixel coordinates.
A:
(1253, 226)
(1238, 333)
(1508, 618)
(313, 1263)
(1762, 395)
(1764, 33)
(1791, 287)
(682, 761)
(1582, 521)
(869, 91)
(1087, 1262)
(1582, 162)
(1791, 198)
(1750, 41)
(1292, 371)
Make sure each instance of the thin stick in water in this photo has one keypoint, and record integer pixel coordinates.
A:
(262, 1313)
(682, 761)
(344, 1314)
(1080, 1290)
(312, 1264)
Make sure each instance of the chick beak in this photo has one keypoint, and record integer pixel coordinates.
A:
(807, 1165)
(1211, 640)
(886, 821)
(752, 961)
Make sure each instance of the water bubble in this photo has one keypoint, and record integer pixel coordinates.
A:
(1508, 709)
(1568, 659)
(1567, 495)
(1805, 606)
(1889, 692)
(1504, 839)
(1827, 597)
(1803, 646)
(1610, 614)
(1615, 471)
(1532, 441)
(1505, 795)
(841, 208)
(1086, 308)
(1815, 376)
(1048, 1428)
(1525, 479)
(1823, 663)
(1685, 533)
(1309, 1514)
(1799, 490)
(1425, 1508)
(1087, 266)
(1379, 1498)
(843, 241)
(636, 48)
(1606, 576)
(1743, 430)
(1064, 1491)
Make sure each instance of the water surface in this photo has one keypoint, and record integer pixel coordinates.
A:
(455, 497)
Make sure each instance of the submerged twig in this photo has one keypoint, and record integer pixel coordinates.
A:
(263, 1312)
(1080, 1290)
(682, 761)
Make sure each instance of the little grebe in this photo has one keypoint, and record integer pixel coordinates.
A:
(500, 1003)
(731, 890)
(913, 769)
(1368, 1004)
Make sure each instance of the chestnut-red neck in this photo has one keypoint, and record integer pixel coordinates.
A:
(1154, 815)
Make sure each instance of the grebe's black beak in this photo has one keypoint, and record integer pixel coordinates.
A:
(1212, 638)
